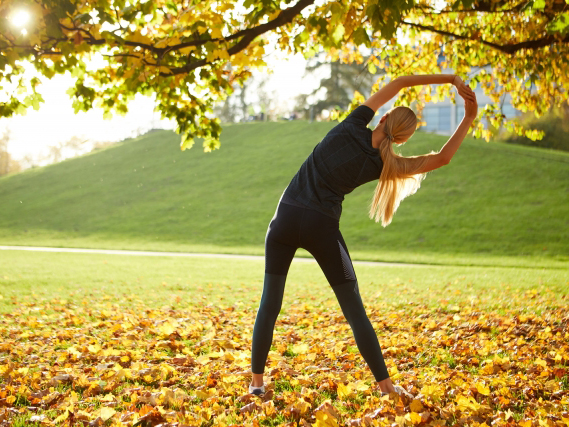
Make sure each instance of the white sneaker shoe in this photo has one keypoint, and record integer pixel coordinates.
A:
(257, 390)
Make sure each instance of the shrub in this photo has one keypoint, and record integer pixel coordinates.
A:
(554, 123)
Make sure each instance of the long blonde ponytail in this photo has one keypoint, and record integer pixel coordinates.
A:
(399, 177)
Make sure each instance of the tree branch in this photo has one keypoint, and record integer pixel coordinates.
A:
(493, 8)
(508, 48)
(286, 16)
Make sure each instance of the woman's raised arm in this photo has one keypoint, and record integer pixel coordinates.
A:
(443, 157)
(382, 96)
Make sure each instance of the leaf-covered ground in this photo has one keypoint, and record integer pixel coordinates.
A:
(104, 363)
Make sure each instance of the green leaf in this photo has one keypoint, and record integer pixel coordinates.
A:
(360, 37)
(560, 24)
(210, 144)
(338, 34)
(187, 142)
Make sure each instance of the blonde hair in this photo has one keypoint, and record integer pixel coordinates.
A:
(399, 177)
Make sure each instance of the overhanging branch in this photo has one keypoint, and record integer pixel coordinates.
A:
(285, 17)
(508, 48)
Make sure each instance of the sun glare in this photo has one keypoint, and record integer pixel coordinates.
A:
(20, 18)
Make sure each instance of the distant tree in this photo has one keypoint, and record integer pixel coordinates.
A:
(29, 161)
(7, 163)
(227, 110)
(98, 145)
(243, 100)
(344, 81)
(267, 101)
(302, 105)
(181, 50)
(64, 149)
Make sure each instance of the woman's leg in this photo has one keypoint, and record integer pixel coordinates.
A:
(280, 247)
(322, 238)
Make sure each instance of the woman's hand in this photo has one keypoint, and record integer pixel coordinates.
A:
(463, 89)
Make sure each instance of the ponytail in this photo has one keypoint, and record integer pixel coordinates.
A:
(399, 177)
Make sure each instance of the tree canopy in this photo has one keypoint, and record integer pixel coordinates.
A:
(190, 53)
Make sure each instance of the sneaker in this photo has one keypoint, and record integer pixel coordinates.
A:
(257, 390)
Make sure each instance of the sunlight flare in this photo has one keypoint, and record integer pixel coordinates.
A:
(20, 18)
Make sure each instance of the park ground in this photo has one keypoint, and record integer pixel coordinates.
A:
(477, 331)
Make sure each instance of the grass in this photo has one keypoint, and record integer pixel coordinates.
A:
(78, 278)
(495, 204)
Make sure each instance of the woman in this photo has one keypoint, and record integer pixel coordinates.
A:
(309, 210)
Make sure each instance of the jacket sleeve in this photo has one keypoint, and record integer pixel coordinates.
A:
(361, 116)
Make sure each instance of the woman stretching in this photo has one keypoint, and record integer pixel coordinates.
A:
(308, 213)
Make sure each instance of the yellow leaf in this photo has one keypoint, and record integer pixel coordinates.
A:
(269, 408)
(168, 42)
(166, 70)
(167, 328)
(416, 406)
(483, 389)
(222, 54)
(106, 413)
(94, 348)
(467, 403)
(240, 59)
(274, 14)
(344, 390)
(203, 360)
(540, 362)
(300, 348)
(216, 33)
(187, 142)
(303, 406)
(108, 398)
(186, 50)
(231, 378)
(186, 17)
(61, 418)
(139, 38)
(202, 395)
(413, 417)
(324, 420)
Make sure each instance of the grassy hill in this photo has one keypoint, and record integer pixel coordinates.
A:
(495, 204)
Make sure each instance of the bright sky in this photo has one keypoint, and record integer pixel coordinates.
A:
(55, 121)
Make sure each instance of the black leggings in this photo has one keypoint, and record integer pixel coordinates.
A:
(294, 227)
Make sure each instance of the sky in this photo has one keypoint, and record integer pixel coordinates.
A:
(55, 122)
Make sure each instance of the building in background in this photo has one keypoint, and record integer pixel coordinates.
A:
(443, 117)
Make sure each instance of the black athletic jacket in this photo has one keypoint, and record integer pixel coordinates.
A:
(342, 161)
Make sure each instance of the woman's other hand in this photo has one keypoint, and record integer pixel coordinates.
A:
(463, 89)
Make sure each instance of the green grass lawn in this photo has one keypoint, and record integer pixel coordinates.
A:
(79, 279)
(495, 204)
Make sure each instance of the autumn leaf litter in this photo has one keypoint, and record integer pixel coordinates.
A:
(106, 364)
